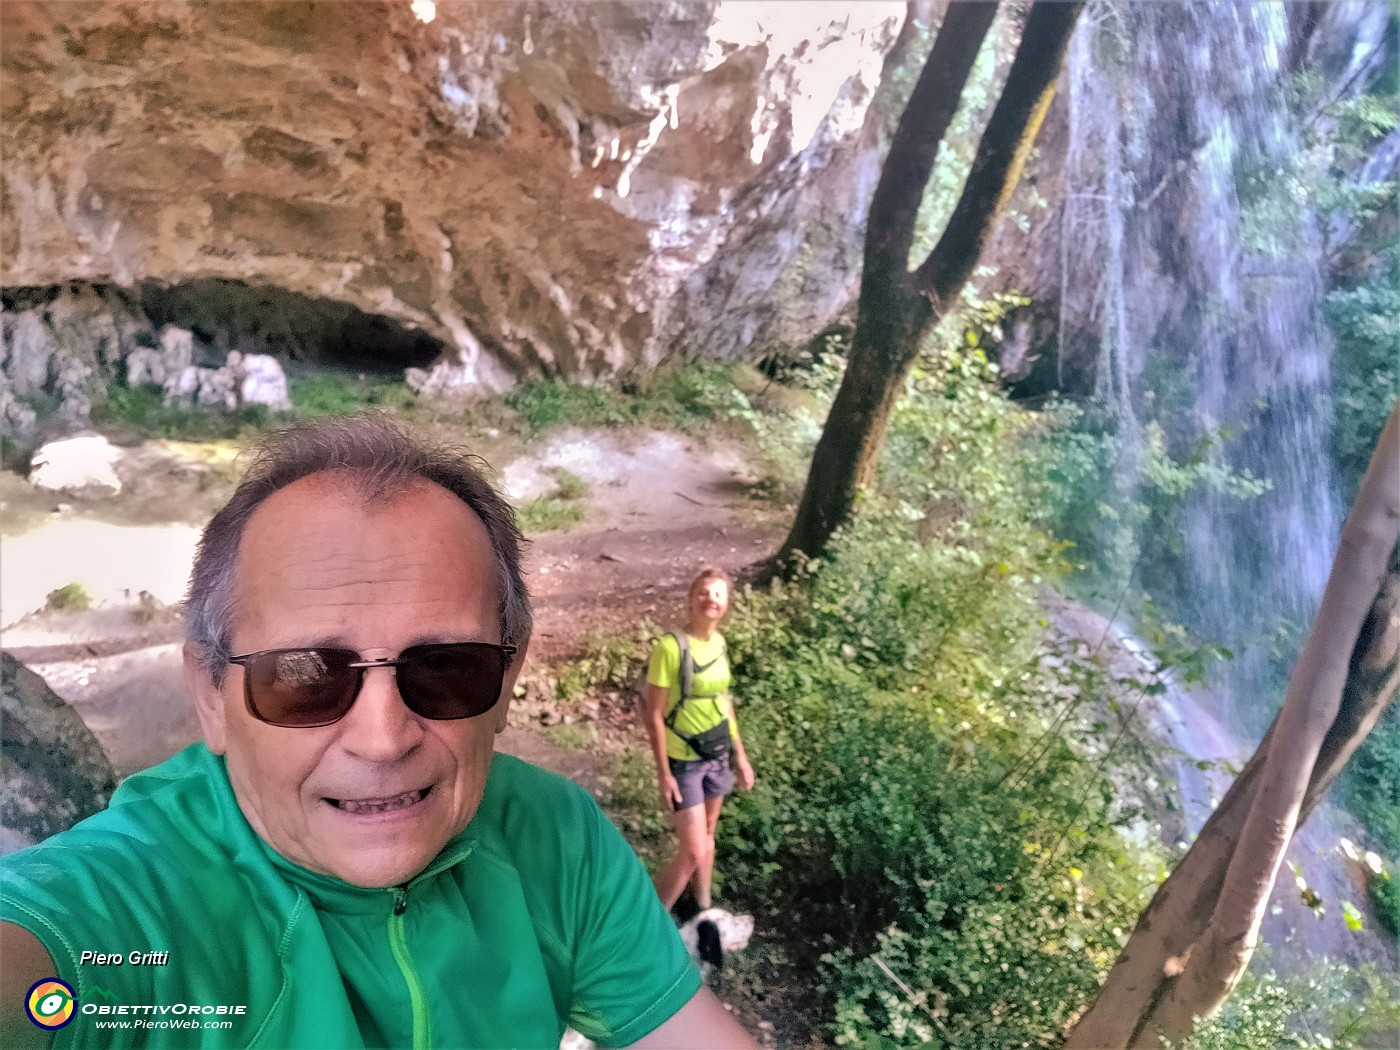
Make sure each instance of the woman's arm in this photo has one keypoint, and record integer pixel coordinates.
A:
(741, 758)
(657, 696)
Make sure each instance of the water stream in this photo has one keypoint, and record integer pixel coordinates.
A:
(1196, 264)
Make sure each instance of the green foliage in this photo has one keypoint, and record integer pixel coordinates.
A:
(555, 510)
(892, 697)
(632, 805)
(569, 486)
(71, 597)
(335, 393)
(575, 736)
(1384, 888)
(1372, 781)
(1365, 324)
(683, 397)
(141, 412)
(1102, 491)
(1323, 176)
(607, 660)
(1334, 1007)
(548, 514)
(547, 403)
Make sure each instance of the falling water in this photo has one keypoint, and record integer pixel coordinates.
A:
(1193, 264)
(1208, 286)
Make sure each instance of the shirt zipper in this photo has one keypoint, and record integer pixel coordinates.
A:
(422, 1037)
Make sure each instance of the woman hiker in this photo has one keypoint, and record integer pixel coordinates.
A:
(694, 736)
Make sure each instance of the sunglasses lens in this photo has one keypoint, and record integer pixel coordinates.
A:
(459, 680)
(302, 687)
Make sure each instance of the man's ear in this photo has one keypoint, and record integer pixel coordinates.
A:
(208, 702)
(501, 712)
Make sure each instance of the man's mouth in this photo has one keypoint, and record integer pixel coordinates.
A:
(366, 806)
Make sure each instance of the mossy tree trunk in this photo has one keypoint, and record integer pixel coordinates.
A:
(1196, 937)
(898, 306)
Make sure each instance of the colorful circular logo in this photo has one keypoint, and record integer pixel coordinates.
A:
(50, 1003)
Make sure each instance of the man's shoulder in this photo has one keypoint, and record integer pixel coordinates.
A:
(161, 825)
(519, 789)
(541, 819)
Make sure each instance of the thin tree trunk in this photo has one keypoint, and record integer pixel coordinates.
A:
(897, 308)
(1195, 938)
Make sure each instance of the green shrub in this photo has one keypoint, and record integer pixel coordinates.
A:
(71, 597)
(607, 660)
(683, 397)
(548, 514)
(327, 392)
(556, 510)
(574, 736)
(569, 486)
(1384, 888)
(1333, 1007)
(1365, 324)
(141, 412)
(1370, 786)
(549, 403)
(893, 697)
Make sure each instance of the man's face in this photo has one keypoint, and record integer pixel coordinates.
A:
(319, 567)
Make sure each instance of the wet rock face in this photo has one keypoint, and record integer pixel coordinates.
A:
(542, 188)
(53, 772)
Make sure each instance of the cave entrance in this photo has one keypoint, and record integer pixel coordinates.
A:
(231, 315)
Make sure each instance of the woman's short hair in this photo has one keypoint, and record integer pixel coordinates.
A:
(378, 457)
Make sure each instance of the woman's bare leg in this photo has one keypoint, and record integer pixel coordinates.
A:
(695, 849)
(700, 881)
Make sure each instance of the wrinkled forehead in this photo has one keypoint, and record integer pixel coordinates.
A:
(325, 517)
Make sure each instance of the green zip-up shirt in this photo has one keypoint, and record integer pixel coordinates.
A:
(537, 915)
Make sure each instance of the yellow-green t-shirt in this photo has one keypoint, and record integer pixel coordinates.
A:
(706, 707)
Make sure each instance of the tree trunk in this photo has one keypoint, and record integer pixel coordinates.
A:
(1196, 936)
(897, 308)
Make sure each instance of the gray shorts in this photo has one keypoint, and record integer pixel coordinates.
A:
(701, 780)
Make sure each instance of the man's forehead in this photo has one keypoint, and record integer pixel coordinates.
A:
(326, 507)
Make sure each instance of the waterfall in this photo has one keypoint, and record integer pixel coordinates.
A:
(1202, 268)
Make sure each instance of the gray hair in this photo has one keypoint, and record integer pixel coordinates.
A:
(381, 457)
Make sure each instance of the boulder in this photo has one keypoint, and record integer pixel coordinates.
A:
(262, 382)
(82, 466)
(53, 772)
(146, 366)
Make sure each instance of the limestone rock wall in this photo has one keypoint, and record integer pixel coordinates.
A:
(542, 188)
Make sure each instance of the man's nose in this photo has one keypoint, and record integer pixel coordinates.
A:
(379, 726)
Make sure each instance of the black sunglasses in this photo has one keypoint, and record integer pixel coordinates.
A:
(306, 688)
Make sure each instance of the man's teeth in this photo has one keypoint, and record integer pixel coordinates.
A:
(381, 805)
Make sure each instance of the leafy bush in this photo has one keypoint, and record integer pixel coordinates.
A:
(548, 514)
(1334, 1007)
(334, 393)
(953, 866)
(556, 510)
(1384, 888)
(551, 402)
(71, 597)
(1365, 324)
(681, 397)
(607, 660)
(141, 412)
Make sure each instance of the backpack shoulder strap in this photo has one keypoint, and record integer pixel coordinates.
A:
(687, 675)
